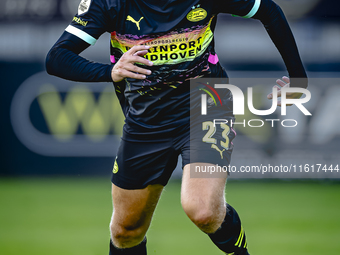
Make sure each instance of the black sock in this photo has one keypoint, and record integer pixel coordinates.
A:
(140, 249)
(230, 237)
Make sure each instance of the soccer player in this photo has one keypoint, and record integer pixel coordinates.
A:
(157, 47)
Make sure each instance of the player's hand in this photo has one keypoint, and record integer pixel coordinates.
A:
(126, 68)
(285, 82)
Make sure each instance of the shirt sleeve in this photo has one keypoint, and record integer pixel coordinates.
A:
(242, 8)
(63, 61)
(92, 20)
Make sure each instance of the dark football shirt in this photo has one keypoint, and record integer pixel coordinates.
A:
(180, 34)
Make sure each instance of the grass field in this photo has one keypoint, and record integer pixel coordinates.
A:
(71, 216)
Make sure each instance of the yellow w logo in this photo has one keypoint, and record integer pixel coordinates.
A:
(129, 18)
(80, 109)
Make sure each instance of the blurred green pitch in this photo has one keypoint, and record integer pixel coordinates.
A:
(70, 216)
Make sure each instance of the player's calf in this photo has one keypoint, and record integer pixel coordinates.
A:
(230, 237)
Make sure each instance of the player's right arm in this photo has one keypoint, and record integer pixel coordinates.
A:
(92, 20)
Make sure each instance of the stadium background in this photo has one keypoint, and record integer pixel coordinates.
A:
(58, 140)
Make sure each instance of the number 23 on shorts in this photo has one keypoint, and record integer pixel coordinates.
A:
(207, 138)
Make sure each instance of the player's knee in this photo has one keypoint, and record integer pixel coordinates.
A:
(204, 217)
(126, 236)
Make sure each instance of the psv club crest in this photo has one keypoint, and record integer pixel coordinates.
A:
(196, 14)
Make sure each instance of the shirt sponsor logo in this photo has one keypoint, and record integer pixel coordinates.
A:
(84, 6)
(197, 14)
(80, 21)
(129, 18)
(171, 48)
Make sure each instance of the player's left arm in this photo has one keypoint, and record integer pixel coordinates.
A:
(274, 20)
(277, 27)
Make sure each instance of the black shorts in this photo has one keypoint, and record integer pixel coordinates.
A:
(144, 160)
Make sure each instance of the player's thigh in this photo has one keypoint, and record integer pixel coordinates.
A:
(202, 193)
(133, 209)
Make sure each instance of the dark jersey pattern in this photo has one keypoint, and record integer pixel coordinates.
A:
(180, 34)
